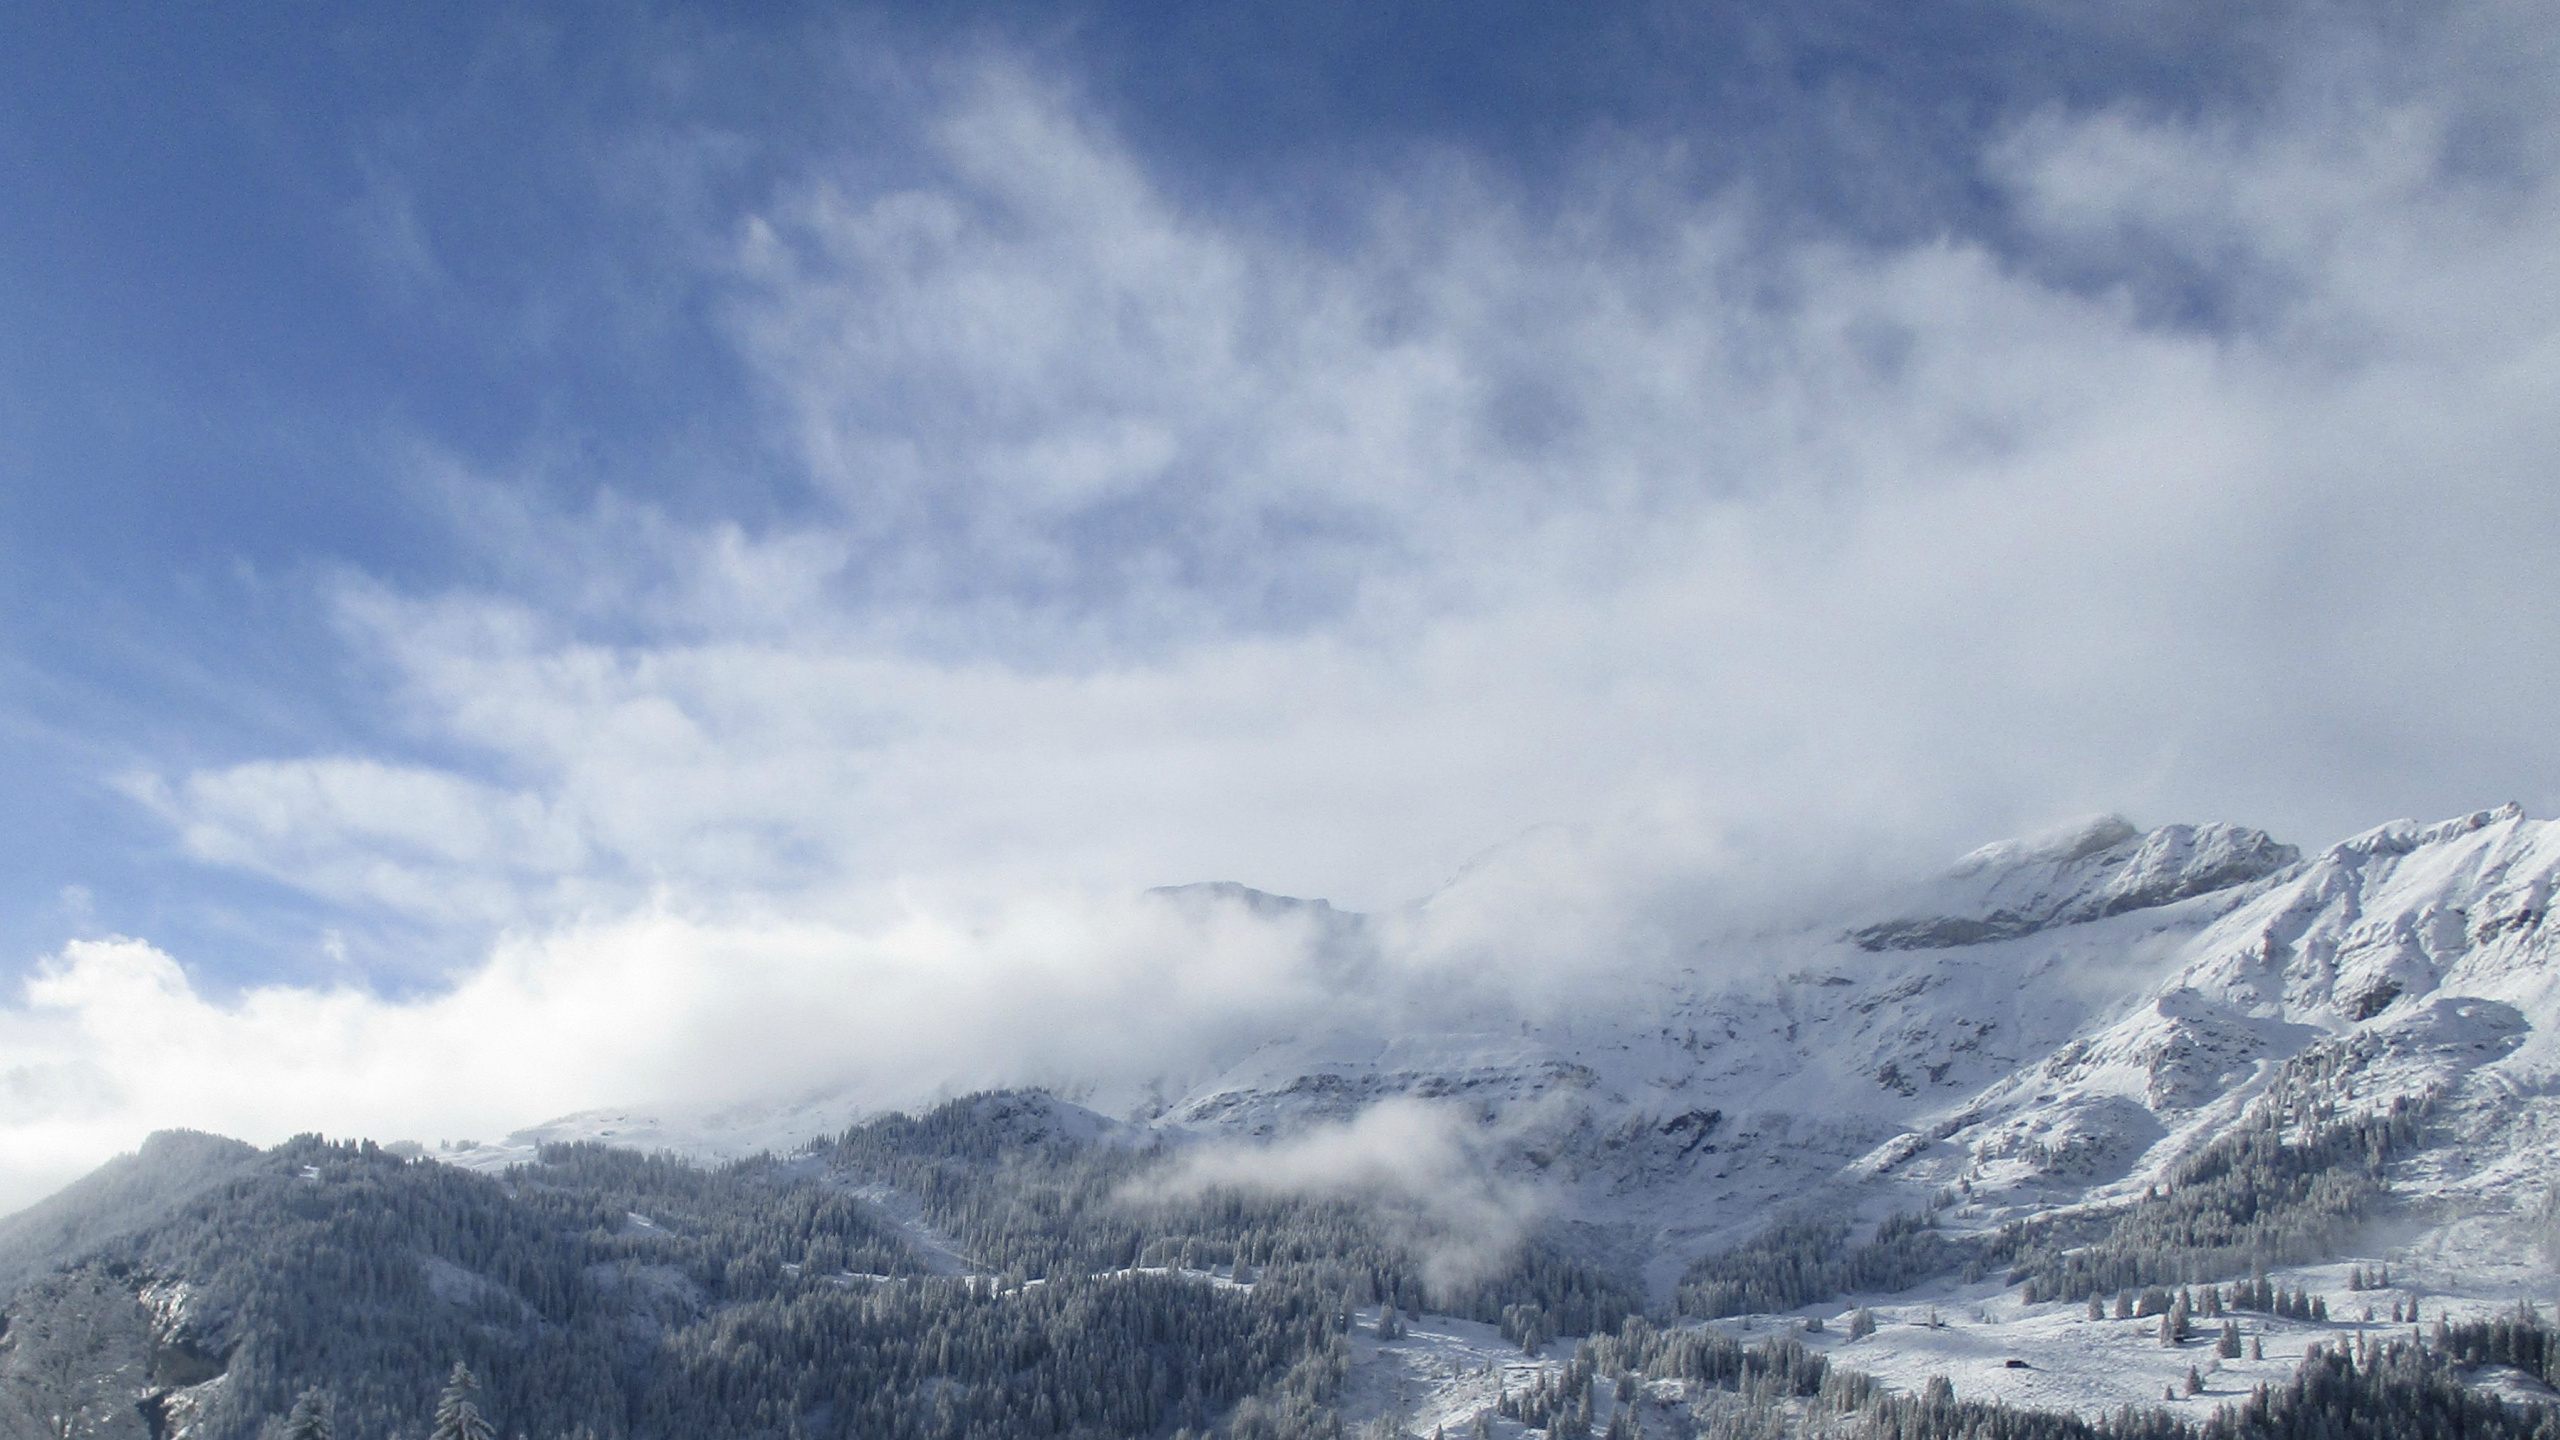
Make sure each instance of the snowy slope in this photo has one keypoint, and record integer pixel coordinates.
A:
(2414, 960)
(2052, 1023)
(1676, 1118)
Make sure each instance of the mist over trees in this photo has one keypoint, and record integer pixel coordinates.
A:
(989, 1269)
(343, 1289)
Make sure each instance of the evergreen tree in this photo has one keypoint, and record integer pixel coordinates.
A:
(310, 1419)
(456, 1417)
(1808, 1258)
(2291, 1185)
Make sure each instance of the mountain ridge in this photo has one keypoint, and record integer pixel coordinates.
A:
(1939, 1111)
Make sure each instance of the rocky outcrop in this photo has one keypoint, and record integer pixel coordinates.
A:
(2099, 868)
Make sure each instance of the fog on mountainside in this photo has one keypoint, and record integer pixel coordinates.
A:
(2098, 1111)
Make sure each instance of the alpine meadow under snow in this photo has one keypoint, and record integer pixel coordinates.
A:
(676, 687)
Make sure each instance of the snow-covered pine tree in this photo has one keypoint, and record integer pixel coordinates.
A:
(310, 1419)
(456, 1417)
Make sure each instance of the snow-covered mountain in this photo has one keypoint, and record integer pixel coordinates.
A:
(2053, 1021)
(2049, 1027)
(1673, 1116)
(2413, 960)
(2040, 1042)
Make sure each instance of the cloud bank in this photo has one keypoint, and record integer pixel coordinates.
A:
(1152, 543)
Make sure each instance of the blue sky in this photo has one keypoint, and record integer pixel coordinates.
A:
(258, 266)
(472, 482)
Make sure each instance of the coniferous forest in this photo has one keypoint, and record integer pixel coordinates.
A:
(604, 1293)
(1033, 1282)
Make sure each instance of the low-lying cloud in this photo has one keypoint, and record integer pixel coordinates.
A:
(1429, 1169)
(112, 1037)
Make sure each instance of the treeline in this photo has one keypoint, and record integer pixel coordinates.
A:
(2402, 1389)
(2292, 1185)
(606, 1295)
(1806, 1259)
(956, 1359)
(1022, 1197)
(1601, 1391)
(2519, 1338)
(350, 1268)
(2253, 1200)
(2212, 1302)
(736, 1230)
(348, 1271)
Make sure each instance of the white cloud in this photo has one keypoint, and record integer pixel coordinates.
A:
(1428, 1166)
(113, 1037)
(359, 831)
(1164, 547)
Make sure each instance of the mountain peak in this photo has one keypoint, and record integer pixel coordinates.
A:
(2402, 836)
(2087, 870)
(1203, 894)
(2060, 845)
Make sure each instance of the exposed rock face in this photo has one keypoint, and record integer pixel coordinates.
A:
(2099, 868)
